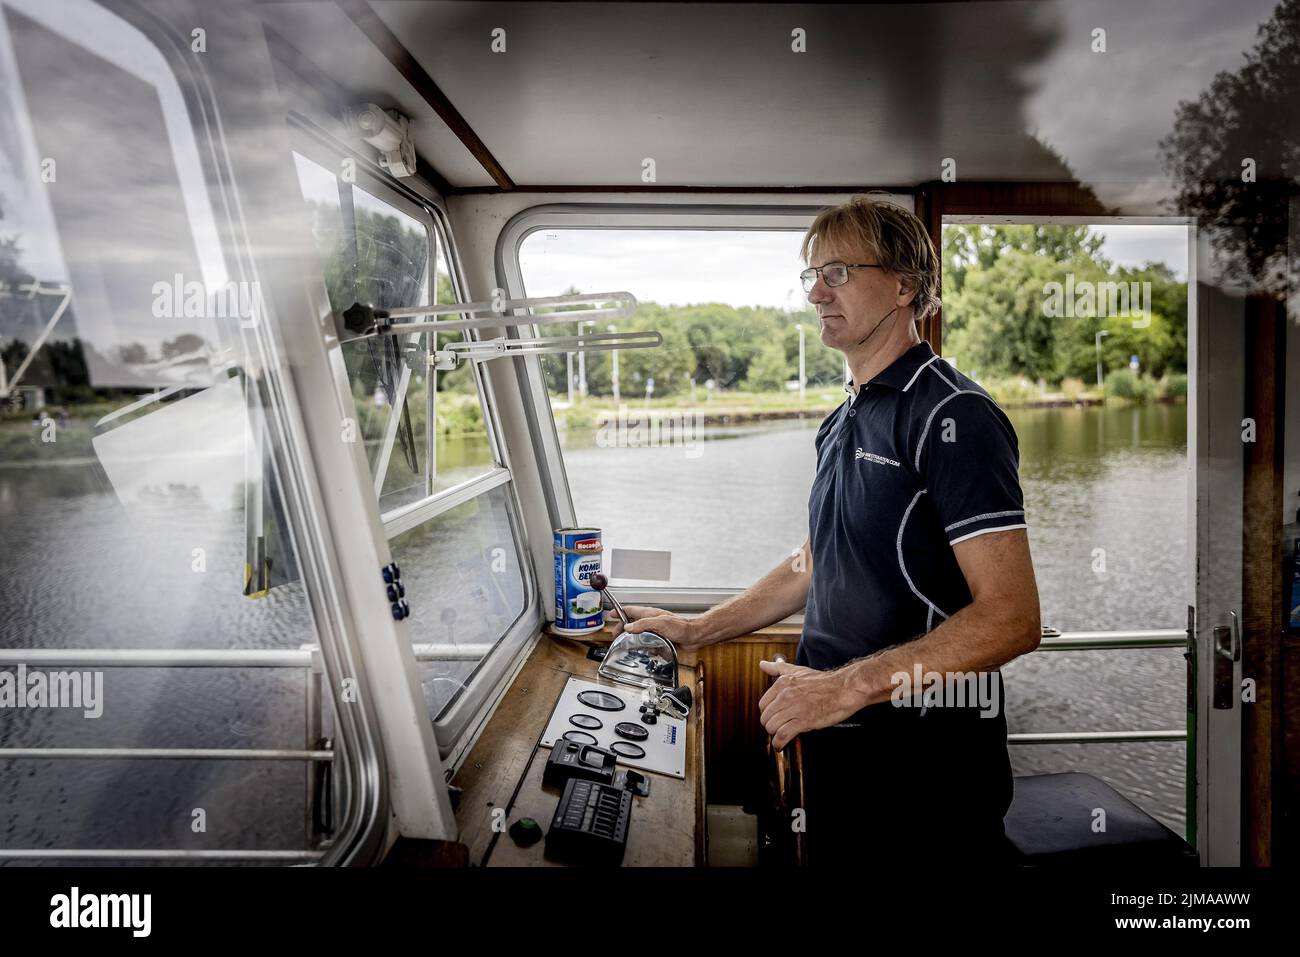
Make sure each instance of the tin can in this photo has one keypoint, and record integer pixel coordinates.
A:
(577, 605)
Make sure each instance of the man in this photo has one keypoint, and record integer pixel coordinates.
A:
(917, 563)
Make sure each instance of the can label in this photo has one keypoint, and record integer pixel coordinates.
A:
(577, 557)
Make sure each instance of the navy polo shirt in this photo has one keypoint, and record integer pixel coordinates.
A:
(921, 459)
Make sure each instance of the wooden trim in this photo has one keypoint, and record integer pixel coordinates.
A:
(936, 199)
(503, 771)
(929, 209)
(1019, 199)
(386, 42)
(735, 752)
(1263, 502)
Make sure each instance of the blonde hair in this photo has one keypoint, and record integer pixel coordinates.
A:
(891, 235)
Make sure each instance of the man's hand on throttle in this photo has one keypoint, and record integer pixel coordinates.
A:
(680, 631)
(803, 699)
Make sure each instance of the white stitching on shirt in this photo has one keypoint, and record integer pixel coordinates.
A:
(918, 372)
(980, 518)
(903, 567)
(951, 384)
(985, 531)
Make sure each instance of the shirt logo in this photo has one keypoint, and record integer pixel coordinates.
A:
(873, 457)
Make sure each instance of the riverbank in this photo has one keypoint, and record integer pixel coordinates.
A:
(65, 431)
(741, 408)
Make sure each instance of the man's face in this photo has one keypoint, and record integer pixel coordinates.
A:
(849, 313)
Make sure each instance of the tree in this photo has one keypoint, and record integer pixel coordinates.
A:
(978, 247)
(998, 322)
(997, 319)
(1235, 152)
(770, 370)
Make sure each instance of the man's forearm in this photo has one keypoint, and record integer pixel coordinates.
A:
(777, 595)
(975, 639)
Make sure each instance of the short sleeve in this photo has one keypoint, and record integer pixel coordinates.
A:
(969, 461)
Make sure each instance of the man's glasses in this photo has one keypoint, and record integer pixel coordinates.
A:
(835, 274)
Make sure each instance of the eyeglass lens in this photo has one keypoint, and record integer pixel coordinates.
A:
(835, 274)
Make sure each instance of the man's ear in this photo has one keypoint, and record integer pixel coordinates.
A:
(906, 293)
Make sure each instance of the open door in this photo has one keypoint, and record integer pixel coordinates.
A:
(1217, 429)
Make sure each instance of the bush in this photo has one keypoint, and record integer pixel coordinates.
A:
(1123, 384)
(1073, 389)
(1012, 391)
(1173, 386)
(459, 414)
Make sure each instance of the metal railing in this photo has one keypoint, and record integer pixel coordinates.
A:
(305, 657)
(1104, 641)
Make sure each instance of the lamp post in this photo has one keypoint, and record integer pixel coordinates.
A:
(1100, 334)
(802, 377)
(582, 359)
(613, 379)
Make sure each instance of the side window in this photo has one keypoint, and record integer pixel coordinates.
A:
(141, 511)
(715, 427)
(444, 495)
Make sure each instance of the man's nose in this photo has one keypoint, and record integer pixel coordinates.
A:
(819, 292)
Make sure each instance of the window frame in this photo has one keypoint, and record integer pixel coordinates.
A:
(468, 710)
(362, 768)
(532, 383)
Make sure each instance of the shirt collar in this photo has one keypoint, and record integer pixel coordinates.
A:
(898, 375)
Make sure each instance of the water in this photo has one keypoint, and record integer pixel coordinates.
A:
(1113, 480)
(78, 569)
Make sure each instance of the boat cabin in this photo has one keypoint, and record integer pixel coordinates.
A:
(344, 342)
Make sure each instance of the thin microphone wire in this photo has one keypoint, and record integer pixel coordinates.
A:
(877, 325)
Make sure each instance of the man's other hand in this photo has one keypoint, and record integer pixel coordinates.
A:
(680, 631)
(803, 699)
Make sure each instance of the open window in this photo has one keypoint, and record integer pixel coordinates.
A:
(440, 476)
(1081, 327)
(668, 449)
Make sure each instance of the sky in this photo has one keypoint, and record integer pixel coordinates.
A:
(740, 268)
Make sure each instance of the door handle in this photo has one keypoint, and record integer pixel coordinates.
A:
(1227, 639)
(1227, 652)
